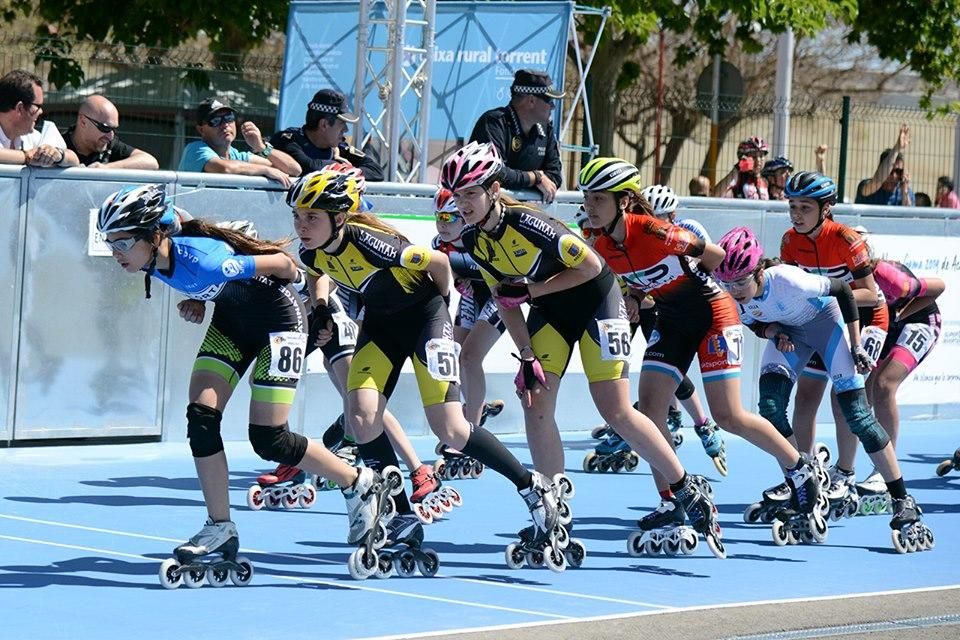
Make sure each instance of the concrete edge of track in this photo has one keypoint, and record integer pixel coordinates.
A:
(832, 616)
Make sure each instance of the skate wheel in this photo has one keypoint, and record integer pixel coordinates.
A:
(440, 469)
(170, 577)
(380, 536)
(477, 469)
(362, 564)
(564, 486)
(453, 496)
(632, 461)
(535, 558)
(194, 578)
(716, 547)
(331, 485)
(309, 496)
(514, 556)
(944, 468)
(634, 545)
(564, 516)
(677, 440)
(291, 500)
(272, 501)
(463, 471)
(429, 564)
(384, 566)
(388, 508)
(780, 532)
(562, 537)
(241, 577)
(688, 543)
(818, 529)
(576, 553)
(652, 547)
(394, 479)
(217, 577)
(822, 453)
(752, 514)
(929, 541)
(255, 497)
(671, 547)
(767, 517)
(720, 462)
(555, 559)
(423, 513)
(900, 542)
(603, 466)
(405, 564)
(590, 463)
(445, 505)
(866, 508)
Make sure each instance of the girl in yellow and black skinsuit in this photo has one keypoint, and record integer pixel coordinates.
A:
(404, 288)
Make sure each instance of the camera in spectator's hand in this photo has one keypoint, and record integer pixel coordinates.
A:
(745, 165)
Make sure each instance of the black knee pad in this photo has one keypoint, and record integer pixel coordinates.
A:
(861, 420)
(278, 444)
(203, 430)
(774, 398)
(685, 390)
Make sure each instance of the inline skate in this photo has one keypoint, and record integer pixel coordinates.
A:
(701, 512)
(874, 497)
(611, 454)
(663, 529)
(490, 410)
(713, 445)
(455, 465)
(842, 494)
(909, 533)
(547, 542)
(370, 508)
(191, 566)
(286, 487)
(430, 499)
(403, 553)
(338, 442)
(802, 520)
(674, 424)
(947, 466)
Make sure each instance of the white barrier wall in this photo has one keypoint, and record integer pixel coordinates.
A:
(85, 355)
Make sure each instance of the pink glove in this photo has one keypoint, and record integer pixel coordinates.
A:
(463, 286)
(511, 296)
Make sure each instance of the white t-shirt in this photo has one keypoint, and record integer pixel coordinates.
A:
(790, 296)
(48, 135)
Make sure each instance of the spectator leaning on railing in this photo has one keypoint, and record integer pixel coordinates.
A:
(214, 152)
(21, 103)
(94, 139)
(890, 184)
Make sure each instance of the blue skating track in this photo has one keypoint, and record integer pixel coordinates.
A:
(84, 529)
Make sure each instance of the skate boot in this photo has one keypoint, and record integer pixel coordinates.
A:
(546, 542)
(490, 410)
(802, 519)
(403, 553)
(874, 497)
(430, 500)
(343, 446)
(842, 494)
(909, 532)
(334, 434)
(675, 423)
(191, 566)
(612, 454)
(947, 466)
(287, 488)
(713, 444)
(702, 514)
(773, 500)
(602, 433)
(370, 507)
(455, 465)
(663, 529)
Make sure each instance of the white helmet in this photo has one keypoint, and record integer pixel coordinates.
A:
(663, 199)
(133, 209)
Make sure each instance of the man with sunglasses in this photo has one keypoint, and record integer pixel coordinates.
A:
(321, 141)
(890, 185)
(21, 104)
(214, 151)
(523, 133)
(94, 139)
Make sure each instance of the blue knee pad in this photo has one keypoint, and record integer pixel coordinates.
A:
(861, 420)
(685, 390)
(278, 444)
(203, 430)
(774, 398)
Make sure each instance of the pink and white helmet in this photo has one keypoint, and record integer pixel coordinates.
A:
(744, 253)
(470, 166)
(443, 201)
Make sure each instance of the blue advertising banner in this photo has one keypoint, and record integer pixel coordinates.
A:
(478, 47)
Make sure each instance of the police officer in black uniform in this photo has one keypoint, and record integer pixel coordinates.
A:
(523, 133)
(320, 141)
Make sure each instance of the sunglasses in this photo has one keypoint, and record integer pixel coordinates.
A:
(737, 284)
(123, 245)
(545, 98)
(216, 121)
(448, 217)
(102, 127)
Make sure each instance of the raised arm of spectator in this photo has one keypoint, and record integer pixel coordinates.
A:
(723, 189)
(821, 156)
(491, 130)
(886, 165)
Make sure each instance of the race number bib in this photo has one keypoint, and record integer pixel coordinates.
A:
(443, 359)
(614, 339)
(872, 339)
(733, 338)
(346, 329)
(286, 354)
(918, 339)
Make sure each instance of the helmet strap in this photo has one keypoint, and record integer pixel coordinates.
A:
(493, 208)
(335, 231)
(149, 271)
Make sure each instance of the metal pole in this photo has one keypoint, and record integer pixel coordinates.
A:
(842, 160)
(714, 123)
(781, 113)
(426, 92)
(656, 152)
(399, 24)
(363, 34)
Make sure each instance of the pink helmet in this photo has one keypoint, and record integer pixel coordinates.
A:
(744, 254)
(752, 144)
(470, 166)
(443, 201)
